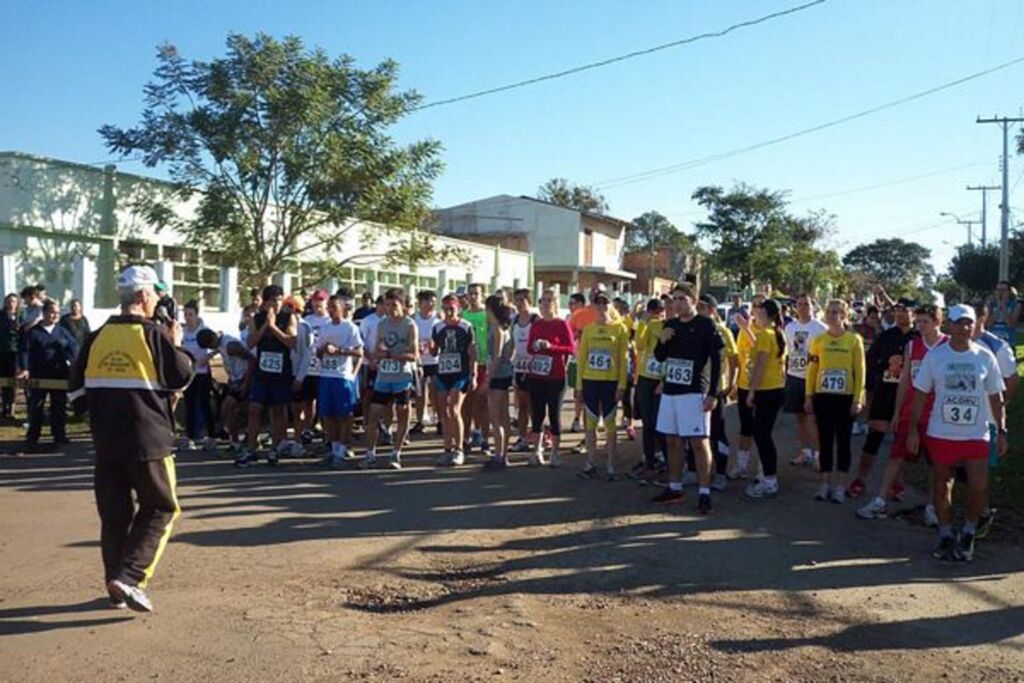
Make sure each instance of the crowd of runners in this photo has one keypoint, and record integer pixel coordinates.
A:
(350, 381)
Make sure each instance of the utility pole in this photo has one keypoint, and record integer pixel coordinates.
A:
(984, 209)
(1004, 246)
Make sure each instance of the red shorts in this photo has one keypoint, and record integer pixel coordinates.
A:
(899, 443)
(949, 452)
(481, 374)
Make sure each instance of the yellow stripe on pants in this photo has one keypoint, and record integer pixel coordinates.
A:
(172, 480)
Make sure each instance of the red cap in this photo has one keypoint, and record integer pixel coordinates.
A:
(320, 295)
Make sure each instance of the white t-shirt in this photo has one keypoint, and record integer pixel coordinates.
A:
(201, 355)
(315, 322)
(425, 328)
(521, 337)
(344, 335)
(235, 366)
(962, 382)
(368, 330)
(798, 343)
(303, 349)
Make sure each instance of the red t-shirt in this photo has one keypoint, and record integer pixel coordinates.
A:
(550, 363)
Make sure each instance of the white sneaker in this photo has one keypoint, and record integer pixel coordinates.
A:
(133, 596)
(823, 493)
(210, 444)
(838, 495)
(689, 478)
(736, 472)
(395, 461)
(719, 482)
(762, 489)
(873, 510)
(458, 458)
(930, 518)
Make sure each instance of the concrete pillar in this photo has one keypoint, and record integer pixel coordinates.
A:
(83, 284)
(284, 281)
(538, 289)
(106, 263)
(8, 273)
(228, 295)
(165, 271)
(442, 282)
(332, 285)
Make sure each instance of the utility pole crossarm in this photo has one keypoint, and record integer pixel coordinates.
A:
(1004, 246)
(984, 209)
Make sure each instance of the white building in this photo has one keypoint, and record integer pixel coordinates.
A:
(571, 249)
(73, 226)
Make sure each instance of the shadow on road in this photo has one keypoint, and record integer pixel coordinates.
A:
(22, 620)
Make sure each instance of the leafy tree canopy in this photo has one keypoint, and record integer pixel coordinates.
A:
(580, 197)
(901, 267)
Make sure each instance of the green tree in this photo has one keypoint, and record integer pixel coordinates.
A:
(975, 268)
(651, 232)
(282, 150)
(792, 259)
(580, 197)
(897, 265)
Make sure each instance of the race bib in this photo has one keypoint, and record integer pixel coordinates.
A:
(833, 381)
(521, 365)
(890, 377)
(600, 359)
(678, 371)
(272, 362)
(798, 363)
(390, 366)
(332, 365)
(540, 365)
(653, 367)
(449, 364)
(915, 365)
(960, 410)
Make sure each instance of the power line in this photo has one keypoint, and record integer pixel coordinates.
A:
(889, 183)
(693, 163)
(620, 58)
(113, 161)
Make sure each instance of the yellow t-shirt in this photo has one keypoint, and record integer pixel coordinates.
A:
(646, 340)
(601, 354)
(774, 376)
(835, 365)
(728, 351)
(744, 349)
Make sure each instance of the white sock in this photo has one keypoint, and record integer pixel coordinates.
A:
(704, 491)
(676, 486)
(743, 459)
(771, 481)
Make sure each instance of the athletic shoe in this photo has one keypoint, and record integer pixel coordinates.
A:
(575, 428)
(184, 444)
(636, 471)
(133, 596)
(823, 493)
(580, 448)
(209, 443)
(306, 438)
(761, 489)
(856, 488)
(704, 503)
(669, 497)
(798, 459)
(719, 482)
(985, 524)
(611, 475)
(556, 460)
(475, 438)
(369, 461)
(416, 428)
(114, 602)
(335, 462)
(520, 446)
(246, 459)
(458, 458)
(838, 495)
(930, 518)
(736, 472)
(649, 477)
(631, 433)
(445, 460)
(896, 491)
(496, 462)
(589, 471)
(689, 478)
(873, 510)
(964, 550)
(946, 549)
(384, 437)
(395, 461)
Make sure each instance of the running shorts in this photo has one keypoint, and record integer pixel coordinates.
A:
(684, 415)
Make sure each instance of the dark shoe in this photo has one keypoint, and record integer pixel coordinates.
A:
(944, 550)
(704, 504)
(669, 497)
(964, 548)
(416, 428)
(985, 524)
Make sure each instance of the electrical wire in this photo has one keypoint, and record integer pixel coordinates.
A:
(620, 58)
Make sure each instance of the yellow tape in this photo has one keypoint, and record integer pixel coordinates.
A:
(34, 383)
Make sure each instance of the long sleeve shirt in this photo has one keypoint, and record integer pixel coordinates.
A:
(695, 344)
(601, 354)
(836, 365)
(550, 362)
(48, 353)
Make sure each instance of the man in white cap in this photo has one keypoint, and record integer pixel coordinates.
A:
(127, 372)
(968, 387)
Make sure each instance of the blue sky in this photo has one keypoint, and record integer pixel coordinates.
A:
(68, 67)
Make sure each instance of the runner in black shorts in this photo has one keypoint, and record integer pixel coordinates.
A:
(453, 344)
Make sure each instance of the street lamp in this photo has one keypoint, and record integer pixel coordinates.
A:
(970, 233)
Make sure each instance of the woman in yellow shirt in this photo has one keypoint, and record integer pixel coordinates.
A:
(835, 394)
(767, 393)
(745, 337)
(601, 359)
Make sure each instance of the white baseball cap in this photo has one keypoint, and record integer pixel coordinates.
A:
(137, 276)
(961, 311)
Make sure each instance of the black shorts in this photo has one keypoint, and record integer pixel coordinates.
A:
(386, 398)
(883, 401)
(430, 370)
(308, 392)
(236, 390)
(746, 414)
(521, 381)
(500, 383)
(796, 391)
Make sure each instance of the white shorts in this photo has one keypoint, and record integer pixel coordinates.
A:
(684, 416)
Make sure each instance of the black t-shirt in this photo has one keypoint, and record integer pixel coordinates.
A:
(273, 358)
(362, 312)
(695, 345)
(453, 344)
(891, 342)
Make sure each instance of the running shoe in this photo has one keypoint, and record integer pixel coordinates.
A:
(838, 495)
(931, 520)
(369, 461)
(458, 458)
(964, 550)
(719, 482)
(856, 488)
(395, 461)
(876, 509)
(575, 428)
(611, 475)
(273, 458)
(669, 497)
(589, 471)
(445, 460)
(485, 449)
(114, 602)
(631, 433)
(556, 460)
(133, 596)
(306, 438)
(336, 462)
(246, 459)
(475, 438)
(985, 524)
(385, 437)
(736, 472)
(946, 549)
(520, 446)
(704, 503)
(496, 462)
(761, 489)
(823, 493)
(636, 471)
(416, 428)
(798, 459)
(896, 491)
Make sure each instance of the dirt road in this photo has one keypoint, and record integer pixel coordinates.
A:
(303, 574)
